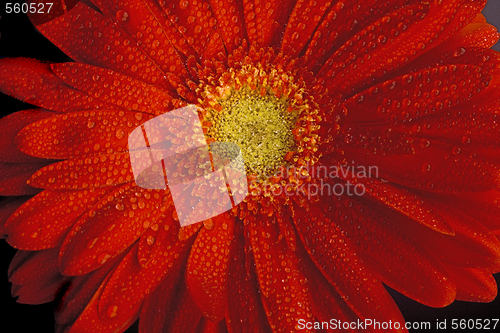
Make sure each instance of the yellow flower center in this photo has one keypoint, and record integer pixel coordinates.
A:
(260, 125)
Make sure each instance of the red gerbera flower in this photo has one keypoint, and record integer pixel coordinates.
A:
(368, 131)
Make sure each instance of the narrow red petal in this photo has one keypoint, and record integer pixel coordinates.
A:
(89, 37)
(9, 206)
(281, 282)
(265, 21)
(231, 22)
(434, 167)
(37, 280)
(388, 53)
(109, 228)
(197, 24)
(417, 94)
(132, 282)
(10, 126)
(401, 263)
(206, 275)
(245, 313)
(333, 254)
(33, 82)
(92, 80)
(473, 285)
(14, 178)
(44, 220)
(80, 134)
(304, 19)
(85, 173)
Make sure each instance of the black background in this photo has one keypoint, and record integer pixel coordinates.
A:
(19, 38)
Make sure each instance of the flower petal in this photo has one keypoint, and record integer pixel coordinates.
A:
(197, 24)
(388, 53)
(342, 21)
(159, 305)
(206, 275)
(44, 220)
(304, 19)
(85, 173)
(14, 178)
(132, 282)
(33, 82)
(245, 313)
(9, 206)
(10, 126)
(87, 36)
(110, 227)
(115, 319)
(434, 167)
(124, 92)
(265, 21)
(473, 285)
(428, 283)
(231, 22)
(472, 245)
(417, 94)
(334, 255)
(37, 279)
(281, 282)
(80, 292)
(80, 133)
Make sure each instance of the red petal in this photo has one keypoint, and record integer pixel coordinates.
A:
(482, 206)
(33, 82)
(85, 173)
(206, 275)
(401, 263)
(114, 88)
(433, 167)
(14, 178)
(8, 207)
(265, 21)
(87, 36)
(303, 21)
(207, 326)
(482, 35)
(231, 22)
(409, 204)
(136, 18)
(473, 285)
(417, 94)
(326, 302)
(472, 245)
(197, 24)
(109, 228)
(10, 126)
(333, 254)
(282, 285)
(80, 292)
(115, 319)
(80, 133)
(37, 279)
(132, 282)
(341, 22)
(159, 305)
(245, 313)
(43, 221)
(388, 53)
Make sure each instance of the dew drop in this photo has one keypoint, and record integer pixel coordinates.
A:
(122, 15)
(101, 259)
(112, 311)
